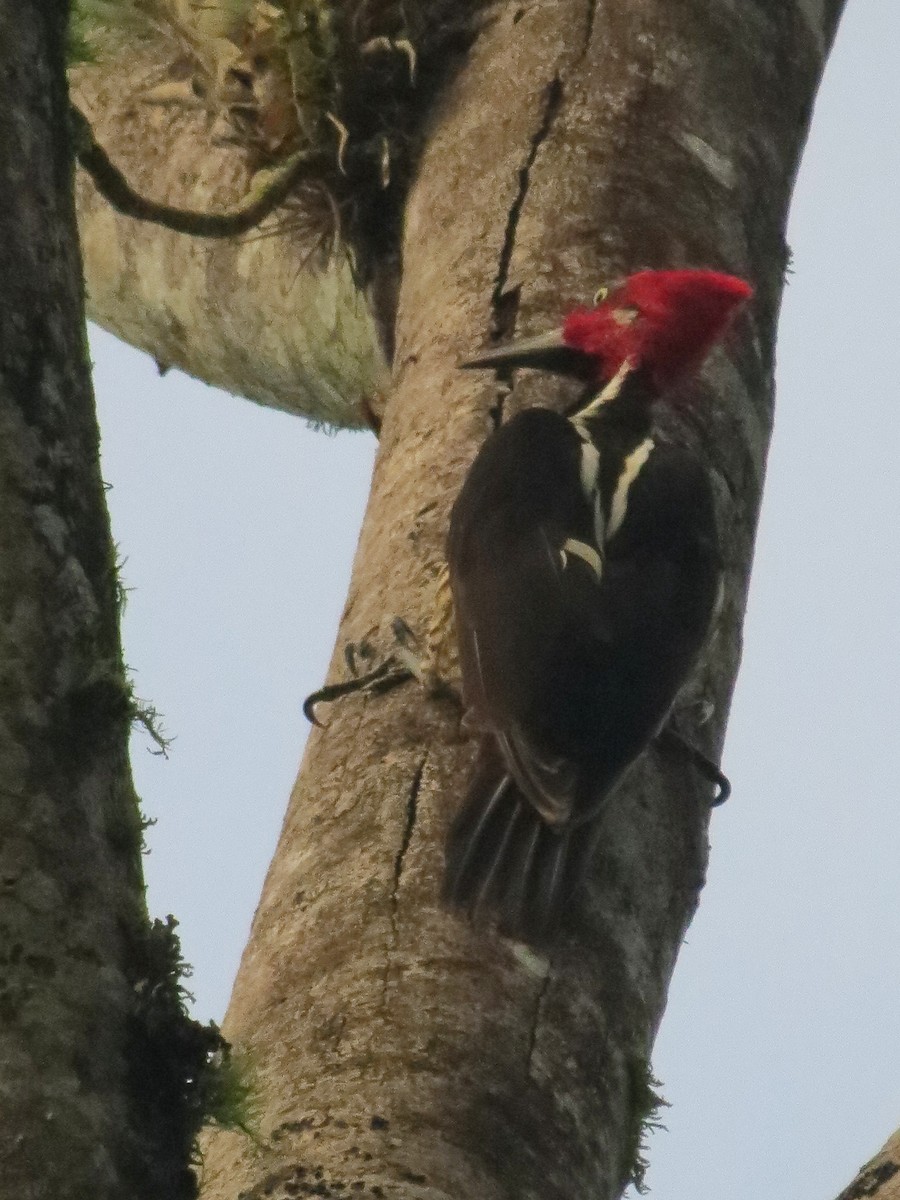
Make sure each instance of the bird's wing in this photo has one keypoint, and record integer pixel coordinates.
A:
(572, 652)
(516, 616)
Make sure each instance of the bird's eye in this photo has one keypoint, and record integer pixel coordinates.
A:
(600, 295)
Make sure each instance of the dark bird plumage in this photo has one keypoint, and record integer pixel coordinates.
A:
(584, 567)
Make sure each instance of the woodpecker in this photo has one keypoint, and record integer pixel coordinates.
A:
(584, 568)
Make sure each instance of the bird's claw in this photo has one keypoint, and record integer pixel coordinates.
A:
(407, 661)
(343, 134)
(669, 738)
(356, 650)
(389, 45)
(382, 678)
(408, 651)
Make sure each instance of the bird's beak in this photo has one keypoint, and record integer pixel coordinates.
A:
(526, 352)
(546, 352)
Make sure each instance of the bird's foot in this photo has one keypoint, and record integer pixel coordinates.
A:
(698, 712)
(381, 678)
(670, 739)
(420, 663)
(405, 662)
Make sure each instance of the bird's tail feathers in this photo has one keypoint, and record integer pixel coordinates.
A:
(504, 863)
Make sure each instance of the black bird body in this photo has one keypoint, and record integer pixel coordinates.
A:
(585, 569)
(584, 566)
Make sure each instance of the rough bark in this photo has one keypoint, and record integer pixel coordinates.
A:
(879, 1179)
(398, 1053)
(72, 916)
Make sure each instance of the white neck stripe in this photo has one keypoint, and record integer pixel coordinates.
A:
(631, 468)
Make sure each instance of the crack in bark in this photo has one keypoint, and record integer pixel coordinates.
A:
(552, 100)
(412, 805)
(539, 1002)
(505, 304)
(589, 28)
(412, 813)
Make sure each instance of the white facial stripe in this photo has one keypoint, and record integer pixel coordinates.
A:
(610, 392)
(586, 553)
(630, 471)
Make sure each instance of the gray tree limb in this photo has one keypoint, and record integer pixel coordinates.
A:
(398, 1052)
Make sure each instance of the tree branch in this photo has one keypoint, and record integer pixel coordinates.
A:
(280, 319)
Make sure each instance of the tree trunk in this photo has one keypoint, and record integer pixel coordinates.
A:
(71, 894)
(879, 1179)
(104, 1079)
(397, 1051)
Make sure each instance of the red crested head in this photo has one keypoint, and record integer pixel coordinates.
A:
(664, 321)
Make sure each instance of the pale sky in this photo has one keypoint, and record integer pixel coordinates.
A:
(780, 1051)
